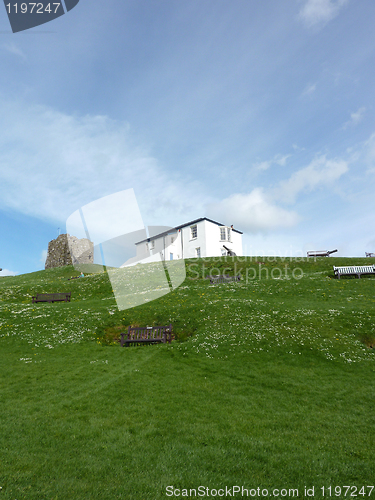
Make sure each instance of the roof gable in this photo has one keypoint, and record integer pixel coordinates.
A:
(204, 218)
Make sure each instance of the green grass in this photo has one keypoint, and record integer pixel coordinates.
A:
(268, 384)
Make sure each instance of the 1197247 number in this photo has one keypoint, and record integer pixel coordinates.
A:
(350, 491)
(37, 8)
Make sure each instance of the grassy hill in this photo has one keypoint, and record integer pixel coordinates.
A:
(269, 383)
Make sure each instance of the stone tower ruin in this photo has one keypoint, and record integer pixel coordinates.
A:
(68, 250)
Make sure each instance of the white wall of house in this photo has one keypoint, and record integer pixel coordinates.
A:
(209, 241)
(173, 249)
(236, 243)
(191, 244)
(214, 245)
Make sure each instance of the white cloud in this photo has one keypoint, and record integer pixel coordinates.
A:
(281, 160)
(277, 159)
(309, 90)
(318, 12)
(51, 164)
(7, 272)
(263, 165)
(320, 172)
(13, 49)
(252, 212)
(355, 118)
(260, 211)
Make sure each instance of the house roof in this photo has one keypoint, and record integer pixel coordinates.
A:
(182, 226)
(204, 218)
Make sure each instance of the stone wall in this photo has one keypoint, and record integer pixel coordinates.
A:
(66, 250)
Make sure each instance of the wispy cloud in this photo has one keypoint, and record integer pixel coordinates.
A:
(281, 160)
(263, 165)
(13, 49)
(276, 160)
(320, 172)
(309, 90)
(252, 212)
(320, 12)
(53, 163)
(355, 118)
(262, 210)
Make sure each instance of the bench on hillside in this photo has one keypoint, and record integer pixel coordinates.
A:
(225, 279)
(52, 297)
(320, 253)
(368, 254)
(147, 335)
(353, 270)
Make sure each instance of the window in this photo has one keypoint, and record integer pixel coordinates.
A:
(225, 234)
(198, 252)
(194, 231)
(152, 244)
(171, 256)
(172, 239)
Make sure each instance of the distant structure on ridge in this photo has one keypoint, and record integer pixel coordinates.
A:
(68, 250)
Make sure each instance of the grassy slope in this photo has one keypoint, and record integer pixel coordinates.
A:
(270, 385)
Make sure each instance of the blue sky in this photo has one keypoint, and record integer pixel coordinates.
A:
(256, 114)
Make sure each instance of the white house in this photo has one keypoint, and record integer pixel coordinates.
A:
(199, 238)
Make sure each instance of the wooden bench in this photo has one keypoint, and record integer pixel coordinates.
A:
(320, 253)
(209, 277)
(146, 335)
(225, 279)
(52, 297)
(353, 270)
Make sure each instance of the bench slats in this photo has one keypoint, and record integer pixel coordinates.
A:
(152, 335)
(52, 297)
(353, 270)
(225, 279)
